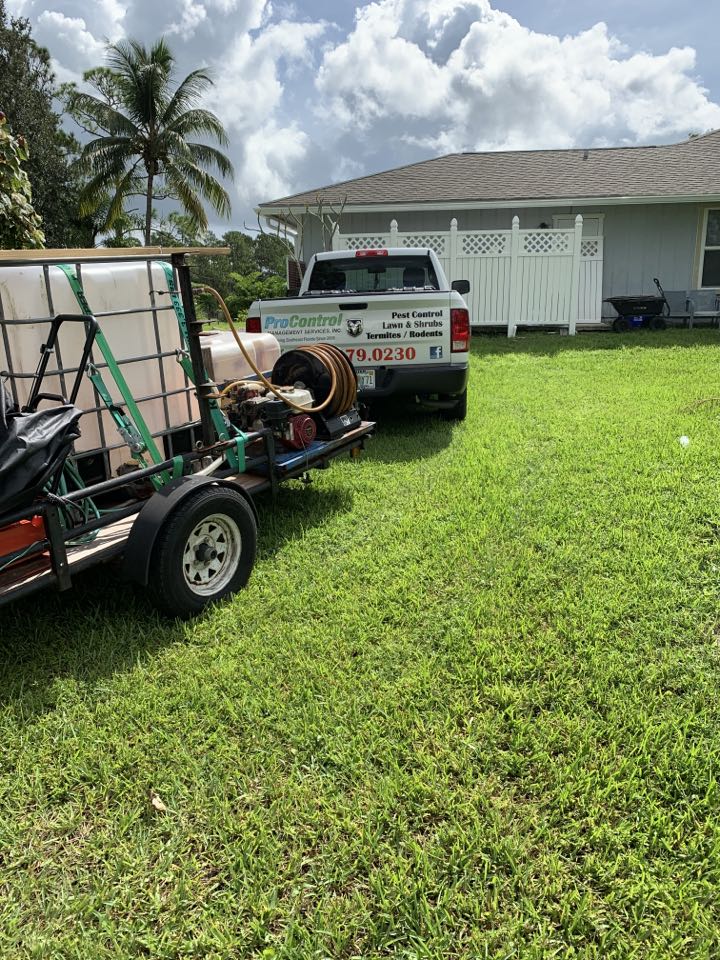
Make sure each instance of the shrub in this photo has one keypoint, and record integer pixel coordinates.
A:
(20, 225)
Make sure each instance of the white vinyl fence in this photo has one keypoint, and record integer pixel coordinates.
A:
(537, 277)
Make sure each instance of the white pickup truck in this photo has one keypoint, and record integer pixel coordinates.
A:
(393, 312)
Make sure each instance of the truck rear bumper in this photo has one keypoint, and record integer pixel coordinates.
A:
(434, 384)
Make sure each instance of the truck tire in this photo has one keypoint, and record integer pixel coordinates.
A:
(204, 551)
(459, 410)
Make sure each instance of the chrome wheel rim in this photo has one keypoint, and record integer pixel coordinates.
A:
(211, 554)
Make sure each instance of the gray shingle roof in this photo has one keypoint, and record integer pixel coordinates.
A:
(689, 168)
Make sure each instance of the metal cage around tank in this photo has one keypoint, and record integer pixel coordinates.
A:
(175, 437)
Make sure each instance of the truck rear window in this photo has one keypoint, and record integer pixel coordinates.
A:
(372, 275)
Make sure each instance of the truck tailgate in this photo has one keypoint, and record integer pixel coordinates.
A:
(388, 329)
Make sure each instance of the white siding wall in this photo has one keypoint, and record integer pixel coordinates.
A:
(642, 242)
(312, 238)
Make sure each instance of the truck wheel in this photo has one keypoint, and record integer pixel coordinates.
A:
(459, 411)
(204, 551)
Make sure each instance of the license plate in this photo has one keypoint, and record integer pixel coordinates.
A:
(366, 379)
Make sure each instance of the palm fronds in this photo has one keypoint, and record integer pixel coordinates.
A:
(145, 120)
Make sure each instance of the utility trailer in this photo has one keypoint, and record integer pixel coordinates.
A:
(181, 516)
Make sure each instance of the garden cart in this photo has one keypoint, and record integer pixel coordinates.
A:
(640, 311)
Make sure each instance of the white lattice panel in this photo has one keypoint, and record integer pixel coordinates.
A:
(434, 241)
(546, 241)
(485, 244)
(364, 242)
(590, 248)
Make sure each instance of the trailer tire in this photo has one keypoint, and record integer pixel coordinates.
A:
(458, 411)
(621, 325)
(204, 551)
(657, 323)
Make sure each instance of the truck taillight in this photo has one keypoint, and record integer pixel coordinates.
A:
(252, 325)
(371, 253)
(459, 330)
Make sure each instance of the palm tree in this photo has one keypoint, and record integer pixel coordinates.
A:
(144, 124)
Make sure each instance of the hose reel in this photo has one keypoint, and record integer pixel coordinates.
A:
(315, 381)
(325, 371)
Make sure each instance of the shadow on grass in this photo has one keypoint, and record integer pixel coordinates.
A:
(103, 626)
(405, 433)
(551, 343)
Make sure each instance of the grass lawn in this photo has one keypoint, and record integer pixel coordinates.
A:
(467, 707)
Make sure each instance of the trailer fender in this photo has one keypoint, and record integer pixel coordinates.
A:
(140, 543)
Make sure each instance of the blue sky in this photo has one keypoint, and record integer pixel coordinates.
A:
(313, 91)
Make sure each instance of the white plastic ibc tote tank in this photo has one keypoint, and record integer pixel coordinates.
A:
(124, 291)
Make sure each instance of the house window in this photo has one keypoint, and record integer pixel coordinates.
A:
(711, 251)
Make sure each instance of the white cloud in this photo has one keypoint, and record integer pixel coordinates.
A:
(191, 16)
(248, 95)
(458, 74)
(79, 45)
(205, 25)
(271, 156)
(249, 88)
(405, 80)
(102, 19)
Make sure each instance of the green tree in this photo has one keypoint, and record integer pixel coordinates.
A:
(124, 231)
(271, 253)
(242, 251)
(27, 89)
(20, 225)
(143, 123)
(181, 230)
(254, 286)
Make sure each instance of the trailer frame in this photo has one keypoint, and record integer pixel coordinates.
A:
(54, 559)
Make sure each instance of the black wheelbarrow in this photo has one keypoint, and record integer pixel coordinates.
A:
(642, 311)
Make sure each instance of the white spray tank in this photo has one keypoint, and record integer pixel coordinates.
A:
(132, 304)
(224, 360)
(122, 296)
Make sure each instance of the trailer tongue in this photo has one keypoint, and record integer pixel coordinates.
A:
(185, 519)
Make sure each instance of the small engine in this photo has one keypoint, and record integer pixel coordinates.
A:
(315, 377)
(251, 406)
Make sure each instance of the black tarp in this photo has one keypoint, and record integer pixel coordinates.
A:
(32, 447)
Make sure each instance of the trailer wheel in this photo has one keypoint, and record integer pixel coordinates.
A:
(657, 323)
(204, 551)
(621, 325)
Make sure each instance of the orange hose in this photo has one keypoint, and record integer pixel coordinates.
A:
(343, 382)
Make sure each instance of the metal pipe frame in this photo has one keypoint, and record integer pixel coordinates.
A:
(203, 385)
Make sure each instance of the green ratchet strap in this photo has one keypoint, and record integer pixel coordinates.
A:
(126, 428)
(236, 454)
(133, 428)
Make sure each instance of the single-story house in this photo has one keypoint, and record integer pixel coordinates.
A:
(651, 211)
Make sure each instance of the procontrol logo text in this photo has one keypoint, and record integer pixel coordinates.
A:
(315, 321)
